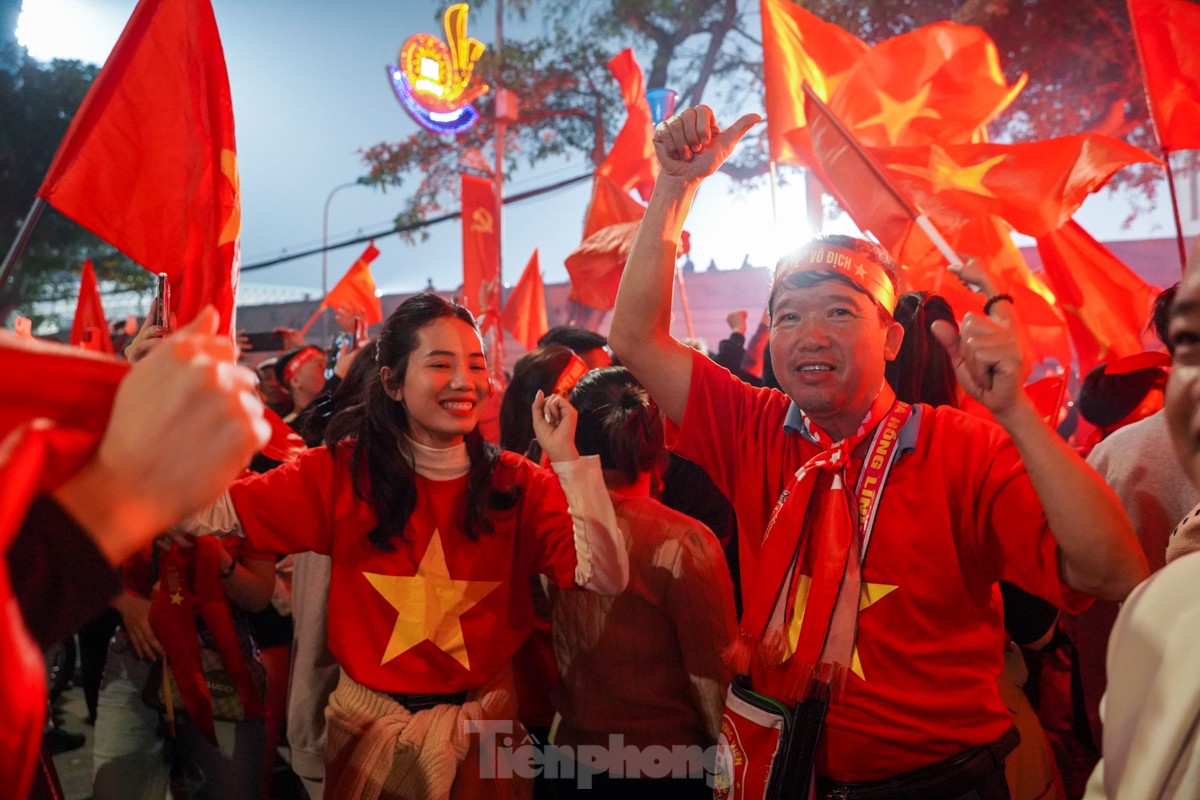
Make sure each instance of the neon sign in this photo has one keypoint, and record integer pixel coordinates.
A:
(436, 83)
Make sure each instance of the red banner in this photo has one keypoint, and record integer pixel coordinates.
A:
(149, 162)
(481, 248)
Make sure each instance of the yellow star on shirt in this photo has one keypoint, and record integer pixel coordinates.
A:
(869, 595)
(943, 172)
(896, 115)
(176, 599)
(430, 605)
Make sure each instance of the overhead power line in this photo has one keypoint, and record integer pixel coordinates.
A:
(398, 229)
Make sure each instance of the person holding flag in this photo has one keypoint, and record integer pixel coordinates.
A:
(873, 533)
(433, 536)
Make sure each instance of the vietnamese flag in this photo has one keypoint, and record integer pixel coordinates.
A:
(610, 205)
(356, 289)
(596, 265)
(1106, 304)
(1167, 33)
(631, 163)
(90, 329)
(939, 83)
(481, 249)
(1035, 186)
(524, 315)
(799, 47)
(149, 162)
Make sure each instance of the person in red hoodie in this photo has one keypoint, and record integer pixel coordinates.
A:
(433, 536)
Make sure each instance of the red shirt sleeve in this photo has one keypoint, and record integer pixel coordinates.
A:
(290, 508)
(546, 530)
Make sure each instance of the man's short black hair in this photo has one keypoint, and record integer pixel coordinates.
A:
(1160, 320)
(580, 340)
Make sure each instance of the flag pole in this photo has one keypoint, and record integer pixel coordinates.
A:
(18, 245)
(915, 213)
(312, 319)
(1174, 210)
(683, 301)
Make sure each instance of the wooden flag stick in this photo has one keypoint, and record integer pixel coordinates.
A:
(312, 319)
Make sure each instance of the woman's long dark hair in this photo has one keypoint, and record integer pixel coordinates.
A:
(923, 371)
(618, 422)
(376, 426)
(540, 368)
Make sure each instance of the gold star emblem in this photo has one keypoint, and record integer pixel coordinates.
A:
(943, 172)
(869, 595)
(176, 599)
(430, 605)
(896, 115)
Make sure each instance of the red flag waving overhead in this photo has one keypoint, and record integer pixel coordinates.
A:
(356, 289)
(90, 329)
(481, 248)
(524, 314)
(799, 47)
(149, 162)
(939, 83)
(610, 206)
(631, 163)
(1167, 33)
(1035, 186)
(1106, 304)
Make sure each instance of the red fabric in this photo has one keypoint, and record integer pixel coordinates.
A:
(799, 46)
(481, 248)
(310, 504)
(524, 315)
(1047, 396)
(631, 163)
(149, 162)
(1167, 32)
(357, 289)
(90, 328)
(285, 444)
(189, 586)
(596, 265)
(939, 83)
(1106, 304)
(70, 394)
(610, 205)
(958, 513)
(1034, 186)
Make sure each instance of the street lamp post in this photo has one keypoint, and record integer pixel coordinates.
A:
(325, 249)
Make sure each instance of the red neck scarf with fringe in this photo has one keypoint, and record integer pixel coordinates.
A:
(810, 562)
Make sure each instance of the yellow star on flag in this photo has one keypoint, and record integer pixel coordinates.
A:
(896, 115)
(233, 224)
(176, 599)
(943, 172)
(430, 605)
(869, 595)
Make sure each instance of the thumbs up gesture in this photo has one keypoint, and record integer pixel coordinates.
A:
(691, 145)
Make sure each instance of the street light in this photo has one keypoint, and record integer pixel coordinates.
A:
(325, 248)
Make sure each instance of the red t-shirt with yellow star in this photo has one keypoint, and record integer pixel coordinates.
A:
(958, 514)
(440, 613)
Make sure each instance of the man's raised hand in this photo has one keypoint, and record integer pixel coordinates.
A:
(691, 145)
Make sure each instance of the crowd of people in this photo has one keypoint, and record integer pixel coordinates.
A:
(846, 557)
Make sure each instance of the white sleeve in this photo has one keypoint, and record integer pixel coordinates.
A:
(217, 519)
(602, 564)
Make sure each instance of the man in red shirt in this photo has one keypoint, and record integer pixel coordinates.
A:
(867, 589)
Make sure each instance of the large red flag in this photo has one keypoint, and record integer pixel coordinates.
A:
(610, 205)
(356, 289)
(799, 47)
(596, 265)
(90, 329)
(939, 83)
(1035, 186)
(524, 314)
(1167, 33)
(149, 162)
(481, 248)
(1106, 304)
(631, 164)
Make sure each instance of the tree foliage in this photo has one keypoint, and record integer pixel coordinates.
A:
(1080, 58)
(37, 102)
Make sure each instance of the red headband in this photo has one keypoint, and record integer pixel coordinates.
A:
(864, 273)
(299, 360)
